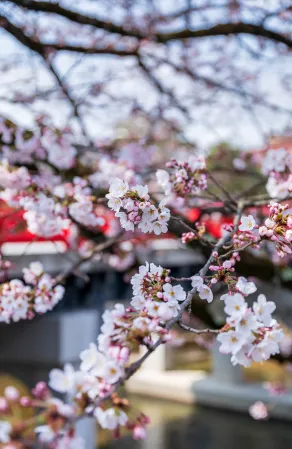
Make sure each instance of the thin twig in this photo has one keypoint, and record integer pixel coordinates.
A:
(198, 331)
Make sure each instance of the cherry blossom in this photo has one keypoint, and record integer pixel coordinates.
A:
(250, 335)
(245, 287)
(275, 160)
(204, 291)
(5, 429)
(133, 207)
(259, 410)
(62, 381)
(235, 305)
(66, 191)
(263, 309)
(23, 301)
(110, 418)
(11, 393)
(184, 177)
(277, 228)
(247, 223)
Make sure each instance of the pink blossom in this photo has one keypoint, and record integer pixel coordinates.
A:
(259, 410)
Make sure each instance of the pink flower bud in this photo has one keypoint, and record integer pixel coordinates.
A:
(124, 354)
(3, 404)
(132, 216)
(25, 401)
(259, 410)
(11, 393)
(30, 315)
(114, 351)
(41, 391)
(289, 222)
(139, 433)
(227, 264)
(144, 419)
(262, 231)
(214, 267)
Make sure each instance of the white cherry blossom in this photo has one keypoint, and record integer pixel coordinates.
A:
(45, 433)
(246, 324)
(118, 188)
(245, 287)
(231, 341)
(163, 180)
(112, 372)
(174, 292)
(5, 429)
(205, 292)
(62, 381)
(247, 223)
(92, 359)
(110, 418)
(263, 309)
(275, 160)
(197, 281)
(235, 305)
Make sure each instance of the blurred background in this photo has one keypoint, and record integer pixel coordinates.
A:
(134, 83)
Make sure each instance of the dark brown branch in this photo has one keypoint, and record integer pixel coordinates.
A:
(74, 16)
(44, 48)
(227, 29)
(222, 29)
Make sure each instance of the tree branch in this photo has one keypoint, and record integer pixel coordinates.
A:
(74, 16)
(44, 48)
(221, 29)
(226, 29)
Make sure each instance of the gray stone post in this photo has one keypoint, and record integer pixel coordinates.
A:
(30, 349)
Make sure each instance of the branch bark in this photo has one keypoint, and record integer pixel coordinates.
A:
(44, 48)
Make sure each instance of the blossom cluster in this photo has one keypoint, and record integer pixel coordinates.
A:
(92, 392)
(199, 232)
(55, 412)
(52, 203)
(47, 144)
(184, 177)
(278, 228)
(49, 205)
(37, 295)
(222, 269)
(132, 206)
(59, 148)
(108, 169)
(204, 291)
(104, 365)
(154, 294)
(130, 160)
(246, 234)
(278, 165)
(250, 334)
(19, 145)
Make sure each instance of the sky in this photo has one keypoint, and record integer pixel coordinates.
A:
(210, 123)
